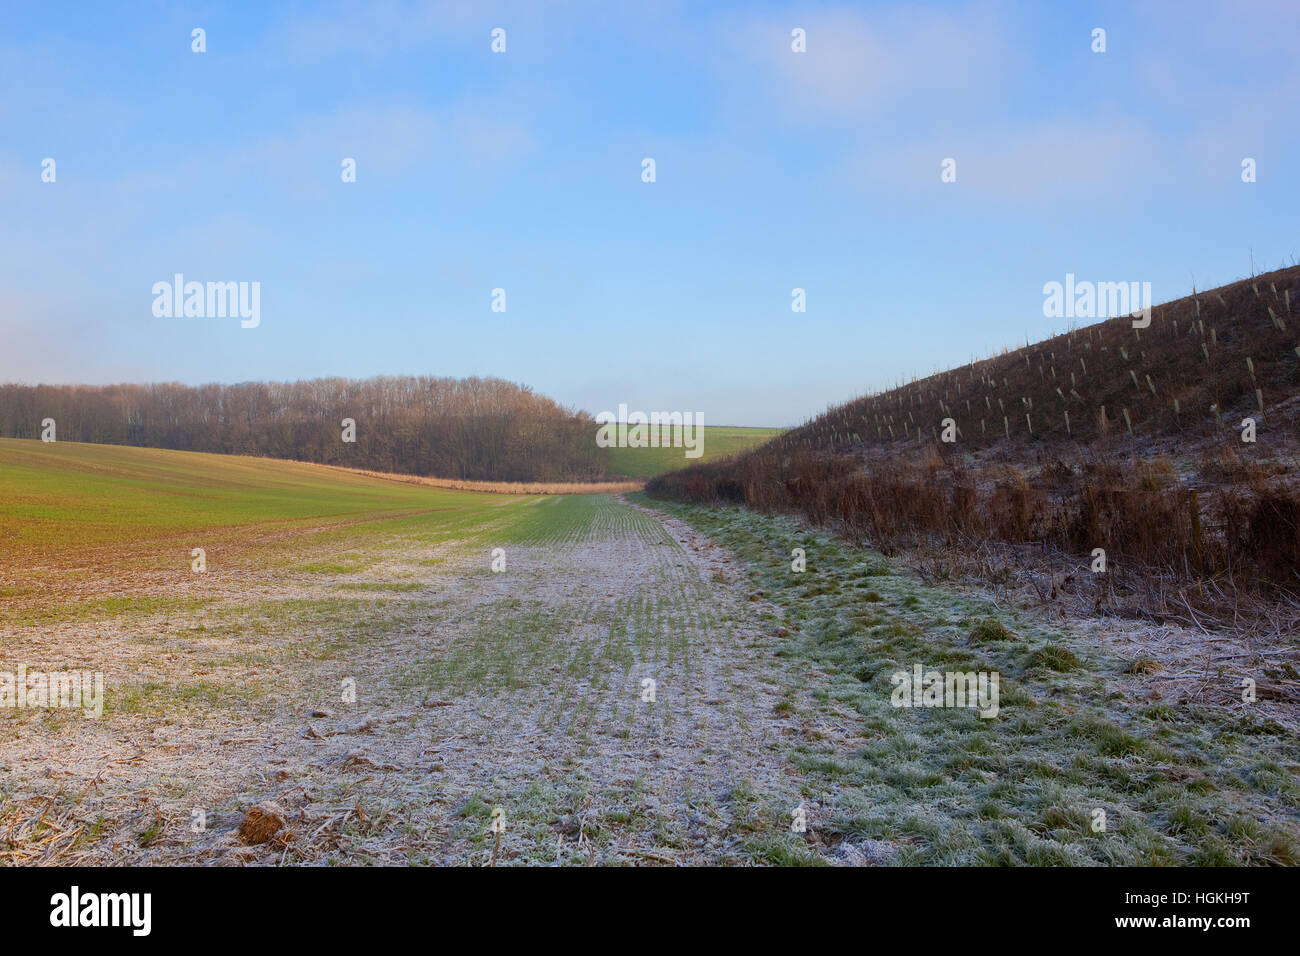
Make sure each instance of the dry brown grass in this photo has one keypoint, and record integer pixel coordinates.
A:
(505, 487)
(1172, 490)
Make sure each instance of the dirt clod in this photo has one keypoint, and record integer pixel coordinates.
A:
(261, 823)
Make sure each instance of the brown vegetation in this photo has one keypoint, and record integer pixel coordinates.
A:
(1161, 479)
(465, 429)
(508, 487)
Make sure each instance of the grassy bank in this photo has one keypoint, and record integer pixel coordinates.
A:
(1204, 779)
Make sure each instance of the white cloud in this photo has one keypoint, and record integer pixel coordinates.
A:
(859, 63)
(387, 143)
(1056, 157)
(381, 29)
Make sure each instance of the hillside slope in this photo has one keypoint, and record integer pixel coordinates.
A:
(1107, 436)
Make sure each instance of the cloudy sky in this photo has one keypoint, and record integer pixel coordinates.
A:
(522, 170)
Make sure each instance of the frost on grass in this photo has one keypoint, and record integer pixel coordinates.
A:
(473, 691)
(1145, 723)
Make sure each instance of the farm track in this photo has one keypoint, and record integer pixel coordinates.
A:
(521, 690)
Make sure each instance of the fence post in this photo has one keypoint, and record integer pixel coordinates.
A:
(1197, 553)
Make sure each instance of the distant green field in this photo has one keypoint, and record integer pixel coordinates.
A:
(719, 440)
(70, 497)
(61, 500)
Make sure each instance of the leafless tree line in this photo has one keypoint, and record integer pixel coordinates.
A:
(471, 429)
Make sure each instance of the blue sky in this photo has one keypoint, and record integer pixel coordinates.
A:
(522, 171)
